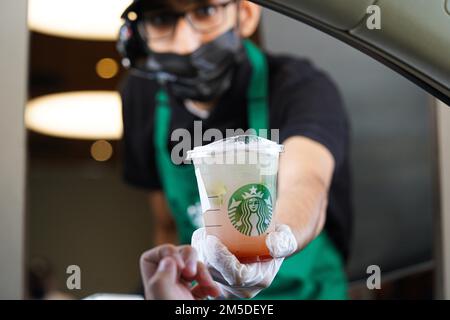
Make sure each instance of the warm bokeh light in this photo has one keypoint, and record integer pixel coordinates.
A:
(80, 19)
(107, 68)
(101, 150)
(79, 115)
(132, 16)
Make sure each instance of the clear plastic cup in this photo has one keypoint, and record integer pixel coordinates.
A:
(237, 182)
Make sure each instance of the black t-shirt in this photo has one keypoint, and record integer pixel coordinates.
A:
(303, 101)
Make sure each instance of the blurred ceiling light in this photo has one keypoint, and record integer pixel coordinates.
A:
(132, 16)
(101, 150)
(77, 115)
(80, 19)
(107, 68)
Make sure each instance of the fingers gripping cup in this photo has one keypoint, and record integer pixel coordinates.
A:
(237, 182)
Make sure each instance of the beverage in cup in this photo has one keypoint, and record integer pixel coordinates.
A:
(237, 183)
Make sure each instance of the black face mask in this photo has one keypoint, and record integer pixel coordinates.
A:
(202, 75)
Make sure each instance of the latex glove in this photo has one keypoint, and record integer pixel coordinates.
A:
(244, 280)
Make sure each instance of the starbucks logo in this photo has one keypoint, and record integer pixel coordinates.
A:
(250, 209)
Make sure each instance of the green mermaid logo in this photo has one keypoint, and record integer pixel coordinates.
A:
(250, 209)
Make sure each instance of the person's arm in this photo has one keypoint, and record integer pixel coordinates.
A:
(304, 177)
(165, 229)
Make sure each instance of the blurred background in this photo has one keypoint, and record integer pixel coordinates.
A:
(78, 210)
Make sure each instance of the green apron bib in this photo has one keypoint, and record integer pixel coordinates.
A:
(314, 273)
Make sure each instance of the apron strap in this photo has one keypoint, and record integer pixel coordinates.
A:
(162, 122)
(258, 108)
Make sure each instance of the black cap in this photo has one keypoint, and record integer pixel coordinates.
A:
(140, 5)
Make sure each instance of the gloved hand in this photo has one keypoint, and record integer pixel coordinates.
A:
(239, 279)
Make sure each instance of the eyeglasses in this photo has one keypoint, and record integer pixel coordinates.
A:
(160, 25)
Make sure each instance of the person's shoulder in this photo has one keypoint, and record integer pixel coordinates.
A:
(288, 69)
(137, 96)
(283, 62)
(135, 85)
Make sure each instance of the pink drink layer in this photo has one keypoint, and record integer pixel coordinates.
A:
(246, 248)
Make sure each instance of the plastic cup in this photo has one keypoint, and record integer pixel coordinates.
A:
(237, 183)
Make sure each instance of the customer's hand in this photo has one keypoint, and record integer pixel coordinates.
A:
(168, 272)
(244, 280)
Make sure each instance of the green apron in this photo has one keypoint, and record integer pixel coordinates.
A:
(317, 271)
